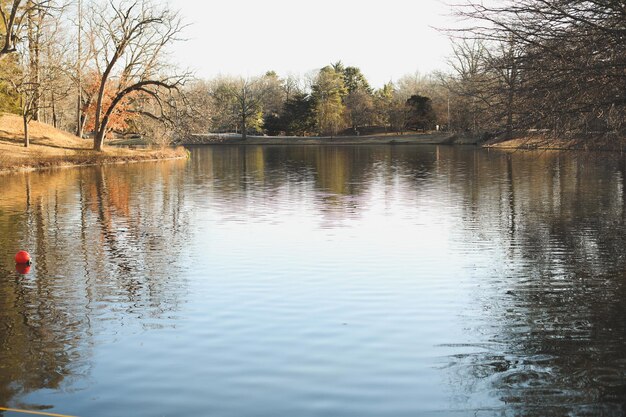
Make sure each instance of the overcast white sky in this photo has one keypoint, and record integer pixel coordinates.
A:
(386, 39)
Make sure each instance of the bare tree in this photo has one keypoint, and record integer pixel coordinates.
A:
(292, 85)
(193, 110)
(39, 71)
(28, 95)
(248, 95)
(555, 65)
(129, 44)
(13, 17)
(468, 84)
(29, 90)
(51, 65)
(504, 65)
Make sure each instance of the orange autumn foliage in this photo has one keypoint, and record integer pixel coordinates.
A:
(121, 116)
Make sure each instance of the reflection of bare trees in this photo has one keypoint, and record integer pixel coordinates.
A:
(105, 241)
(44, 334)
(555, 318)
(141, 230)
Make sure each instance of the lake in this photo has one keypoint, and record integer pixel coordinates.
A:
(318, 281)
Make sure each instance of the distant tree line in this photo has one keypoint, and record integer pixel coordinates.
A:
(336, 99)
(557, 66)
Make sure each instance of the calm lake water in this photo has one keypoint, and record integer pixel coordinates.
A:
(318, 281)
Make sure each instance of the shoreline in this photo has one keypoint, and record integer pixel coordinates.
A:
(94, 159)
(520, 143)
(437, 138)
(578, 143)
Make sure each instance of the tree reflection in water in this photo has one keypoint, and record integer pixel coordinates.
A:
(99, 249)
(554, 317)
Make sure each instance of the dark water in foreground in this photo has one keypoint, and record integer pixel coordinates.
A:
(318, 281)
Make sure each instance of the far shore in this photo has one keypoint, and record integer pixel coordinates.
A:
(433, 138)
(520, 141)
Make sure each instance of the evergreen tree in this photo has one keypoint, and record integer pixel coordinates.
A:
(420, 113)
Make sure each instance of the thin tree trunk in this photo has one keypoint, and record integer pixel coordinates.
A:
(244, 129)
(26, 137)
(80, 119)
(98, 112)
(509, 115)
(54, 110)
(33, 47)
(79, 99)
(510, 97)
(81, 125)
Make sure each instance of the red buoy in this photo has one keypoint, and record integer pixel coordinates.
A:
(22, 257)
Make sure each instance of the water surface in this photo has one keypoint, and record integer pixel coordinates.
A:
(318, 281)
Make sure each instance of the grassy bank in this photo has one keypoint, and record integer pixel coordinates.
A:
(573, 142)
(50, 147)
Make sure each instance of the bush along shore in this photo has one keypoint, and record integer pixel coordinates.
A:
(50, 147)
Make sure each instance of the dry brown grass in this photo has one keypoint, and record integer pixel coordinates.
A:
(586, 142)
(50, 147)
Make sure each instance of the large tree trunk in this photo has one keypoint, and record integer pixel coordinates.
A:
(101, 130)
(98, 142)
(244, 128)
